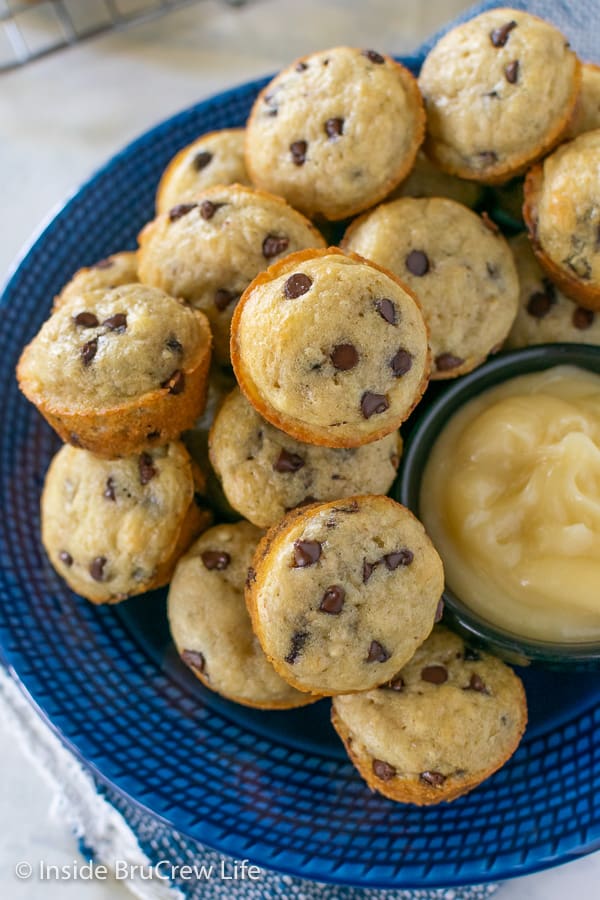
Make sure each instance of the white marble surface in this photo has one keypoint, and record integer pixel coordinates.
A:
(59, 119)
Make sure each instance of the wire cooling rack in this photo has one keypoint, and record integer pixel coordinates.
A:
(33, 28)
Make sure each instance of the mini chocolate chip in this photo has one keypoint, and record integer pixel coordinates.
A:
(146, 467)
(377, 653)
(374, 57)
(97, 568)
(471, 655)
(65, 558)
(334, 127)
(250, 576)
(492, 270)
(386, 310)
(298, 641)
(175, 383)
(201, 160)
(383, 770)
(301, 66)
(539, 304)
(439, 613)
(398, 558)
(396, 684)
(333, 600)
(86, 320)
(368, 569)
(395, 460)
(194, 659)
(216, 559)
(401, 363)
(446, 361)
(208, 209)
(306, 553)
(298, 150)
(109, 490)
(174, 345)
(75, 440)
(371, 403)
(490, 225)
(477, 683)
(106, 263)
(88, 351)
(434, 674)
(297, 285)
(288, 462)
(487, 157)
(436, 779)
(417, 263)
(351, 507)
(499, 36)
(117, 323)
(181, 210)
(582, 318)
(273, 245)
(344, 357)
(223, 298)
(511, 71)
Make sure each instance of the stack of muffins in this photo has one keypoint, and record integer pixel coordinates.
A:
(325, 587)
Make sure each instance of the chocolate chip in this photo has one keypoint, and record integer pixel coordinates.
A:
(436, 779)
(86, 320)
(298, 150)
(582, 318)
(194, 659)
(395, 460)
(106, 263)
(487, 157)
(439, 613)
(499, 36)
(88, 351)
(216, 559)
(201, 160)
(175, 383)
(434, 674)
(223, 298)
(97, 568)
(368, 569)
(471, 655)
(511, 71)
(396, 684)
(75, 440)
(288, 462)
(417, 263)
(174, 345)
(344, 357)
(477, 683)
(374, 57)
(492, 270)
(274, 245)
(383, 770)
(146, 467)
(334, 128)
(297, 285)
(301, 66)
(371, 403)
(109, 490)
(377, 653)
(491, 226)
(117, 323)
(333, 600)
(181, 210)
(306, 553)
(446, 361)
(401, 363)
(386, 310)
(398, 558)
(208, 209)
(65, 558)
(539, 304)
(250, 576)
(298, 641)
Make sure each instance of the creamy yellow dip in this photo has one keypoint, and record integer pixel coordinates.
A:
(511, 498)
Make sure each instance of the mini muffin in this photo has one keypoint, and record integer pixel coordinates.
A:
(562, 212)
(208, 251)
(115, 528)
(427, 180)
(341, 594)
(114, 271)
(210, 624)
(459, 266)
(451, 718)
(545, 315)
(500, 91)
(330, 348)
(215, 158)
(115, 371)
(336, 131)
(265, 473)
(587, 114)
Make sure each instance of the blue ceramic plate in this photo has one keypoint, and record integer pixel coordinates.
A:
(273, 787)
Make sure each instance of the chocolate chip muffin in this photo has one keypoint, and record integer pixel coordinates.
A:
(346, 358)
(587, 114)
(500, 91)
(266, 473)
(114, 271)
(335, 131)
(562, 212)
(116, 371)
(459, 266)
(115, 528)
(341, 594)
(545, 315)
(208, 251)
(427, 180)
(215, 158)
(451, 718)
(210, 624)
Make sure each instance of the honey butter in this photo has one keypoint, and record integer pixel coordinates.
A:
(511, 498)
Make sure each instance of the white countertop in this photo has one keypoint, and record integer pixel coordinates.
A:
(60, 118)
